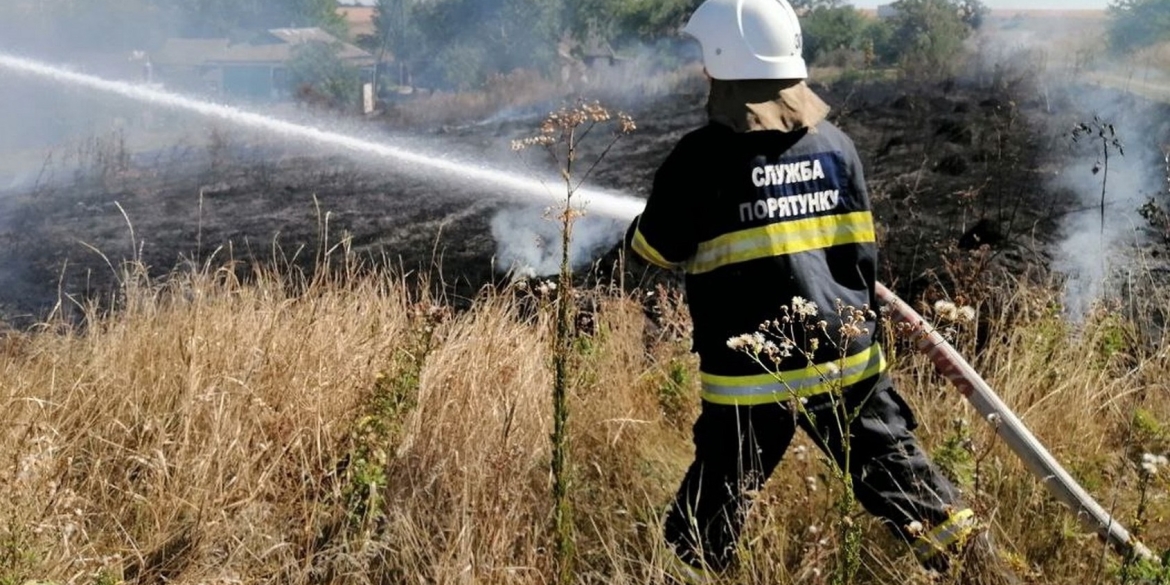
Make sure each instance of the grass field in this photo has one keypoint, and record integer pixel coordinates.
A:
(221, 432)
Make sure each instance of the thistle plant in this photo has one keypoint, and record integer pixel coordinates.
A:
(1106, 135)
(1152, 475)
(560, 135)
(798, 333)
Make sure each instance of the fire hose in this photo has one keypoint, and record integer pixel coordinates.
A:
(1011, 429)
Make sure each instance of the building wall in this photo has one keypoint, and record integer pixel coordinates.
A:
(248, 81)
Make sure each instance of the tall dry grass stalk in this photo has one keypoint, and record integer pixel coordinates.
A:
(217, 431)
(560, 136)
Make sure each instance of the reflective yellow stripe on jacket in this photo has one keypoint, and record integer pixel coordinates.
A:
(805, 382)
(778, 239)
(645, 250)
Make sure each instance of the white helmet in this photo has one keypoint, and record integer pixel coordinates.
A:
(749, 39)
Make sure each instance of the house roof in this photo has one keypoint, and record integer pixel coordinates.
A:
(189, 52)
(359, 19)
(192, 52)
(297, 36)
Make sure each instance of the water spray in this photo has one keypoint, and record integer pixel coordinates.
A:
(509, 184)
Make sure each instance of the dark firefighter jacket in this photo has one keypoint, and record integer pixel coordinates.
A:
(755, 220)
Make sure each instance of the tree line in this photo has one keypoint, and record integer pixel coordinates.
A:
(1135, 24)
(458, 44)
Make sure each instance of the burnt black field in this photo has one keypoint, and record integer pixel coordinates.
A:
(952, 167)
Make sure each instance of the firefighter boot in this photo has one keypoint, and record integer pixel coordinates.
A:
(979, 563)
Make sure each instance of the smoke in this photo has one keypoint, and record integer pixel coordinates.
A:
(1068, 70)
(1099, 248)
(1110, 181)
(1096, 247)
(528, 240)
(54, 132)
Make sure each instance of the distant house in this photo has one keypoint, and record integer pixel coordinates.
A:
(886, 11)
(256, 70)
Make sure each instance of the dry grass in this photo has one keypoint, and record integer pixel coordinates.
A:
(214, 431)
(1155, 58)
(523, 91)
(1044, 14)
(518, 89)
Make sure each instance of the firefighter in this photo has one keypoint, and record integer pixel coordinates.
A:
(766, 205)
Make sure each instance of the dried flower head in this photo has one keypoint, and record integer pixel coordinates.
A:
(626, 123)
(949, 311)
(781, 351)
(966, 314)
(946, 310)
(594, 112)
(852, 331)
(1151, 463)
(546, 287)
(561, 126)
(803, 307)
(752, 343)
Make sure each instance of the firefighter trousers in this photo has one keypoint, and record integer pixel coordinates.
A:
(738, 447)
